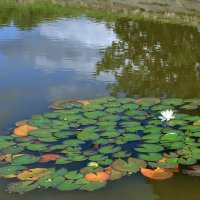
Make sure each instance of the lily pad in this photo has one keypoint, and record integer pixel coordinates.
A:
(150, 156)
(109, 149)
(73, 175)
(22, 187)
(149, 148)
(83, 135)
(25, 159)
(68, 185)
(172, 101)
(133, 165)
(194, 171)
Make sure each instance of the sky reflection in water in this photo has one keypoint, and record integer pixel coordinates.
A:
(80, 58)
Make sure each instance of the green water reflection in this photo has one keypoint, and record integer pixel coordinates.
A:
(152, 59)
(146, 59)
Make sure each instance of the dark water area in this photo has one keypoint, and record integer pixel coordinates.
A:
(45, 58)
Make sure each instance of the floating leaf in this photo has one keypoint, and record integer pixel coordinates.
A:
(108, 149)
(22, 187)
(196, 123)
(90, 169)
(194, 171)
(97, 177)
(91, 186)
(172, 101)
(83, 135)
(150, 156)
(158, 173)
(25, 159)
(39, 122)
(49, 157)
(68, 185)
(33, 174)
(11, 169)
(23, 130)
(50, 181)
(73, 175)
(133, 165)
(149, 148)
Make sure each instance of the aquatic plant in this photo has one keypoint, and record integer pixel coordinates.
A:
(85, 144)
(167, 115)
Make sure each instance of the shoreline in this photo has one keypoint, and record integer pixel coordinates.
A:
(186, 12)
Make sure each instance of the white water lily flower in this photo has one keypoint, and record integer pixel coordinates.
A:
(167, 115)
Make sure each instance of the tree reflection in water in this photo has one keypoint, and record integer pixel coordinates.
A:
(153, 59)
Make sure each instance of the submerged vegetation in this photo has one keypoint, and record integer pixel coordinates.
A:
(85, 144)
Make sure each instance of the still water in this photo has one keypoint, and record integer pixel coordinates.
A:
(85, 58)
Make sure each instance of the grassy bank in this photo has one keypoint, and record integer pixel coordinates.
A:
(27, 14)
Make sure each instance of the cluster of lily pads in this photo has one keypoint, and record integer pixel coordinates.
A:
(84, 144)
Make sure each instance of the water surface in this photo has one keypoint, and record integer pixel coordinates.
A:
(84, 58)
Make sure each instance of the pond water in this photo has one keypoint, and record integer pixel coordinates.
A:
(60, 57)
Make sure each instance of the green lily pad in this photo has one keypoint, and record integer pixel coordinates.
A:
(52, 115)
(92, 107)
(134, 129)
(70, 104)
(151, 138)
(47, 139)
(73, 142)
(133, 165)
(172, 101)
(122, 154)
(130, 106)
(176, 122)
(63, 134)
(98, 157)
(6, 144)
(85, 121)
(67, 186)
(149, 148)
(171, 137)
(114, 110)
(83, 135)
(109, 149)
(25, 159)
(73, 175)
(103, 100)
(39, 122)
(94, 114)
(63, 160)
(110, 134)
(191, 128)
(11, 169)
(37, 147)
(91, 186)
(109, 117)
(12, 150)
(50, 181)
(150, 156)
(90, 169)
(187, 161)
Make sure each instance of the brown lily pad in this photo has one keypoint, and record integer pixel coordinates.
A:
(97, 177)
(33, 174)
(49, 157)
(23, 130)
(157, 174)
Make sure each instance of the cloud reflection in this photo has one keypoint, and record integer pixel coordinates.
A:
(81, 30)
